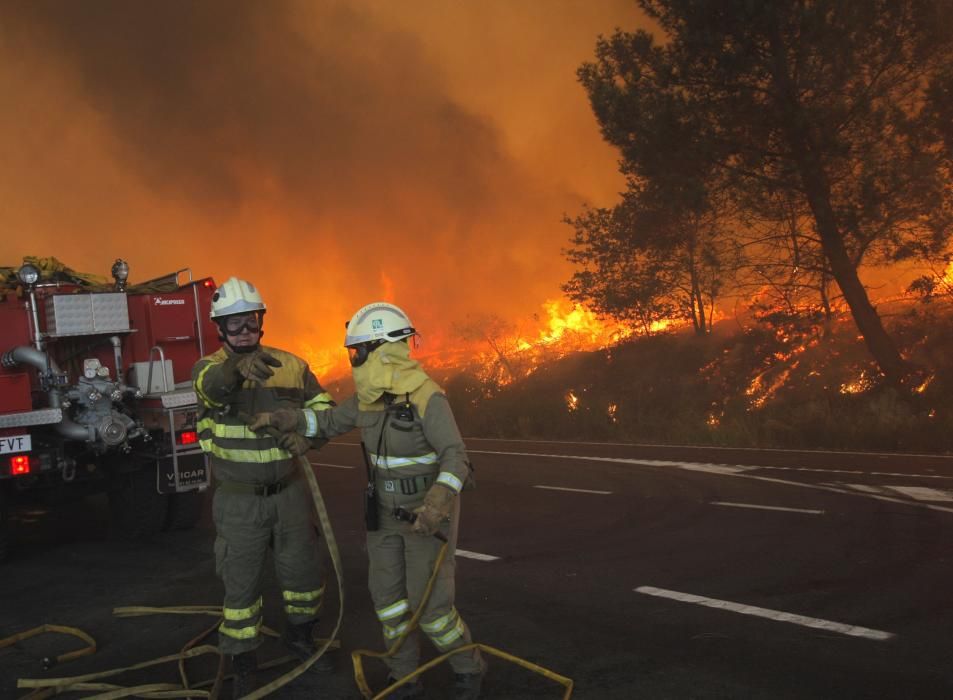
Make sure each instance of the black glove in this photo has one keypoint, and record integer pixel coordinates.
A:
(285, 420)
(254, 366)
(295, 444)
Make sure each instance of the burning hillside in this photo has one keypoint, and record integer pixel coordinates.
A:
(761, 385)
(498, 351)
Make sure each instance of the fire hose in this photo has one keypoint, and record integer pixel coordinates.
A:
(356, 656)
(45, 688)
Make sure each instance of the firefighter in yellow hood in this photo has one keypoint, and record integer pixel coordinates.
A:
(261, 500)
(419, 465)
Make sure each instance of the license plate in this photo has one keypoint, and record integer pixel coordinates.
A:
(15, 443)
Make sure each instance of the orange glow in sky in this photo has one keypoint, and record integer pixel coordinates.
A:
(333, 153)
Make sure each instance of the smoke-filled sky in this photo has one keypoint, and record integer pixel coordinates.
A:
(333, 152)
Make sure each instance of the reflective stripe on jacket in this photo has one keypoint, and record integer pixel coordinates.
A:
(238, 454)
(401, 447)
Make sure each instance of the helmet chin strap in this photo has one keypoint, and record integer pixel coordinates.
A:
(240, 350)
(243, 349)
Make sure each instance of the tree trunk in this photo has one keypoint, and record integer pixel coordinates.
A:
(698, 304)
(818, 191)
(826, 304)
(879, 343)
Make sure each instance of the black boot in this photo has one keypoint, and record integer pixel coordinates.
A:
(466, 686)
(244, 666)
(414, 689)
(299, 639)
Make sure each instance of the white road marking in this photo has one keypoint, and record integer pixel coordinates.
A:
(726, 471)
(333, 466)
(865, 488)
(919, 493)
(758, 507)
(563, 488)
(860, 472)
(475, 555)
(715, 447)
(777, 615)
(690, 466)
(922, 493)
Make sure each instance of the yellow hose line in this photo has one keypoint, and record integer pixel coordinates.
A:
(361, 679)
(58, 629)
(338, 571)
(149, 690)
(356, 655)
(65, 684)
(493, 651)
(329, 643)
(217, 680)
(137, 610)
(47, 687)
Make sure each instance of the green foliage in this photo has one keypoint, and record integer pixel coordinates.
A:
(642, 262)
(833, 115)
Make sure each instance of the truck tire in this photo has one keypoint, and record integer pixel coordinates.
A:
(185, 509)
(138, 509)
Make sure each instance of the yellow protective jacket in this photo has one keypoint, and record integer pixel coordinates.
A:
(237, 453)
(412, 443)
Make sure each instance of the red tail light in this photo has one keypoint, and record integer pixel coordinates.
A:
(188, 437)
(20, 464)
(208, 283)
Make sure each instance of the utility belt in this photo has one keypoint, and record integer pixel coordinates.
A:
(408, 486)
(258, 489)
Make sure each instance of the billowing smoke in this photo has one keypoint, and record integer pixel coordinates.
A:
(315, 148)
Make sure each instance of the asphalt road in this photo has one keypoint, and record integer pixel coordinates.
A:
(637, 571)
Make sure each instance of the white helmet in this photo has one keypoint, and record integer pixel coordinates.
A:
(378, 321)
(236, 296)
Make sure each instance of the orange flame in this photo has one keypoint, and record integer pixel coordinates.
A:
(858, 386)
(566, 318)
(513, 353)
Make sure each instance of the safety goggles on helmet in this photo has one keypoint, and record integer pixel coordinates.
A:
(236, 325)
(359, 353)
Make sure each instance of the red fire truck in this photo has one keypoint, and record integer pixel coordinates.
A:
(95, 393)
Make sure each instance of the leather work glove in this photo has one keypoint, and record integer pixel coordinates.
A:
(296, 444)
(436, 509)
(254, 366)
(286, 420)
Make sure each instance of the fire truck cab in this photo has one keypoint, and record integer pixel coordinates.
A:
(96, 393)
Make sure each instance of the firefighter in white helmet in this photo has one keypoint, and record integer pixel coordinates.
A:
(419, 465)
(261, 500)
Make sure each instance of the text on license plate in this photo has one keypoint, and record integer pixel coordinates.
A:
(15, 443)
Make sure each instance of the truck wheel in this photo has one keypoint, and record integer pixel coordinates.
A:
(185, 509)
(138, 509)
